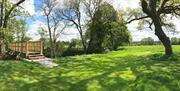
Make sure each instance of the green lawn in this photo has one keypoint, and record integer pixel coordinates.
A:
(140, 68)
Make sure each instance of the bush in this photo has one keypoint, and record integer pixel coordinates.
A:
(61, 47)
(47, 52)
(73, 52)
(65, 48)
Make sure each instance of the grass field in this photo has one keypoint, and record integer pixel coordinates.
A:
(136, 68)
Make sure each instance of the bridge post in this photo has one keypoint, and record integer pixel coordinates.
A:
(27, 48)
(41, 43)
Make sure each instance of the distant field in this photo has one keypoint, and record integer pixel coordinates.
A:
(134, 68)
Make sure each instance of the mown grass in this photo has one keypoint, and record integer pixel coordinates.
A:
(136, 68)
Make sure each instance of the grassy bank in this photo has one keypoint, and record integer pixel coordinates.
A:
(136, 68)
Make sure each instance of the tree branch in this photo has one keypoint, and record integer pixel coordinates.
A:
(150, 25)
(15, 5)
(162, 5)
(170, 9)
(145, 6)
(139, 18)
(11, 9)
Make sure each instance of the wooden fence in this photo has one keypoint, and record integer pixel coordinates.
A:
(27, 47)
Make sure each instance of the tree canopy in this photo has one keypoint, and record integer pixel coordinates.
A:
(8, 10)
(155, 13)
(106, 26)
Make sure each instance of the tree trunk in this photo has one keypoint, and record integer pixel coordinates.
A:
(83, 43)
(165, 40)
(52, 46)
(81, 32)
(50, 36)
(162, 36)
(3, 47)
(78, 26)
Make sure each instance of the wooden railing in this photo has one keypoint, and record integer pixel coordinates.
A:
(27, 47)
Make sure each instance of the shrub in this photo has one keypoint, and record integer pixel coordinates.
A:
(73, 52)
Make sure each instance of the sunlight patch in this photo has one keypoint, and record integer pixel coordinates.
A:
(26, 79)
(126, 74)
(143, 69)
(77, 76)
(93, 85)
(160, 68)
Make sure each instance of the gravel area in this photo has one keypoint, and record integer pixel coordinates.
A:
(47, 62)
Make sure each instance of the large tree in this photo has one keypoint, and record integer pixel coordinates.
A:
(103, 30)
(99, 26)
(53, 23)
(117, 35)
(90, 7)
(6, 10)
(72, 13)
(157, 11)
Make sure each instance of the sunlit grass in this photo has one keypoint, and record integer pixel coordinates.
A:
(135, 68)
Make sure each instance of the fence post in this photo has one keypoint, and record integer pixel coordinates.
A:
(15, 47)
(41, 44)
(27, 48)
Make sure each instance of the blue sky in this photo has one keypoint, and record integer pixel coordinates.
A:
(33, 22)
(35, 4)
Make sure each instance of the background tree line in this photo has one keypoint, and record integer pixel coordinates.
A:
(151, 41)
(100, 26)
(102, 30)
(101, 16)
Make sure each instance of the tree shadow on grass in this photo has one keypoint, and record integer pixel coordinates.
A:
(149, 73)
(95, 73)
(23, 76)
(157, 74)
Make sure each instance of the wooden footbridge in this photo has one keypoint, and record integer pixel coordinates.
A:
(31, 49)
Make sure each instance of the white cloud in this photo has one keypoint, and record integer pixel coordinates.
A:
(72, 32)
(33, 28)
(138, 35)
(29, 6)
(69, 33)
(119, 4)
(176, 21)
